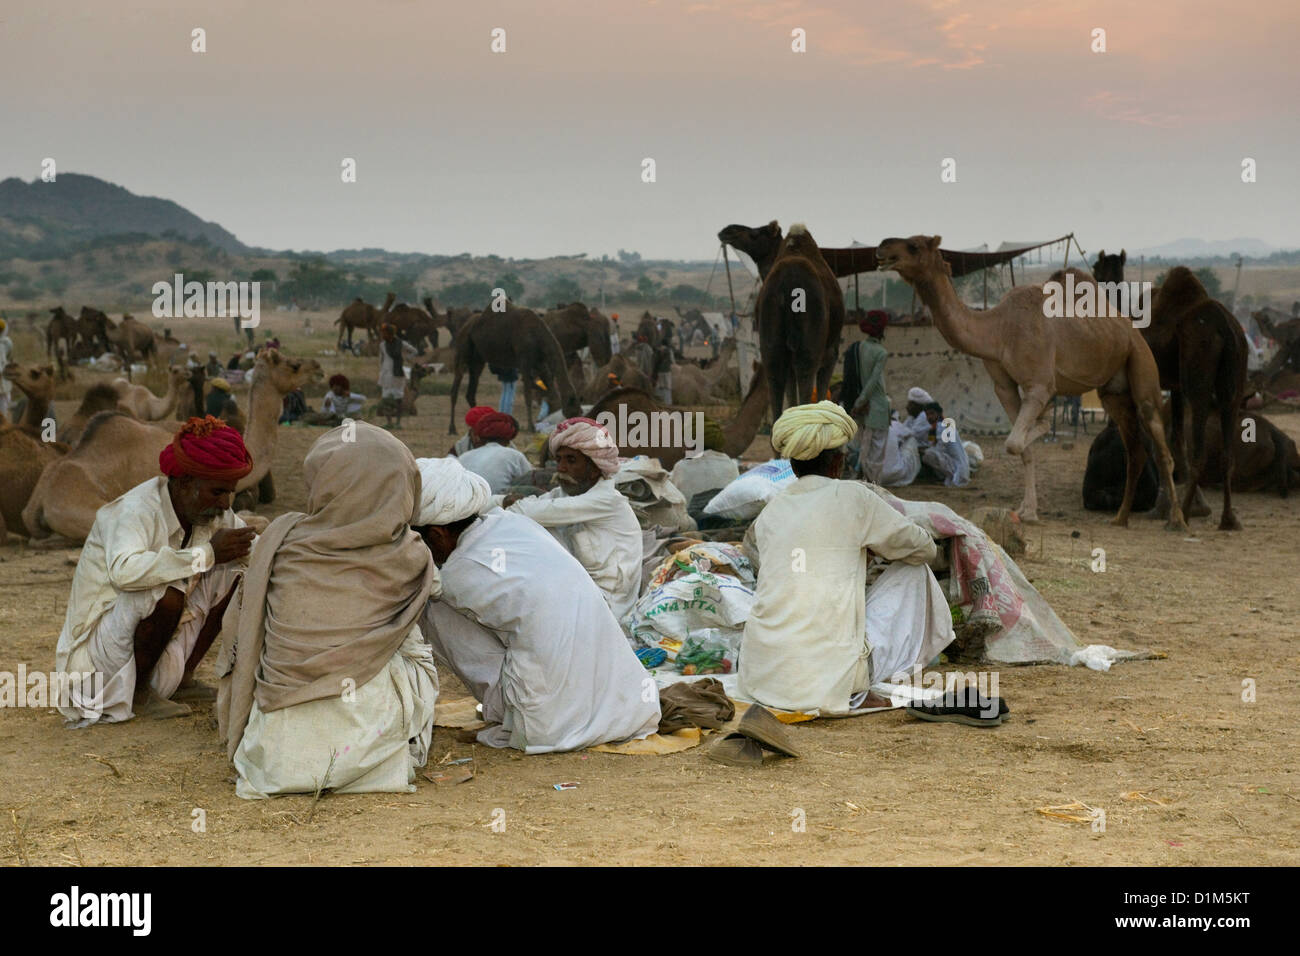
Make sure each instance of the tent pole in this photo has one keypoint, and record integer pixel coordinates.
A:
(1066, 264)
(726, 260)
(856, 306)
(1011, 264)
(986, 288)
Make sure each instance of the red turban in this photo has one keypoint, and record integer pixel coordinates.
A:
(496, 425)
(206, 448)
(477, 412)
(875, 322)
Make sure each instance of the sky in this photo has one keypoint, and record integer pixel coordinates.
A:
(539, 150)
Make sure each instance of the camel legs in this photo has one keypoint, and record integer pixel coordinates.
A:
(775, 371)
(1147, 412)
(1026, 428)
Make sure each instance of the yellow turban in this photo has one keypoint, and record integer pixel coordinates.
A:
(805, 431)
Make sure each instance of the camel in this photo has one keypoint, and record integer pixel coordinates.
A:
(125, 338)
(800, 311)
(363, 315)
(519, 339)
(1200, 352)
(190, 402)
(23, 453)
(60, 334)
(98, 398)
(1285, 331)
(693, 385)
(37, 385)
(1269, 463)
(116, 452)
(1105, 475)
(738, 433)
(576, 327)
(619, 371)
(411, 322)
(1023, 349)
(147, 406)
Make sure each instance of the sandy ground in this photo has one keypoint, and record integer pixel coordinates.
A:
(1186, 771)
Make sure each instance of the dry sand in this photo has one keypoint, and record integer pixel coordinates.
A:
(1185, 770)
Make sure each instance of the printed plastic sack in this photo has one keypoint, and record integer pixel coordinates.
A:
(744, 498)
(713, 557)
(707, 607)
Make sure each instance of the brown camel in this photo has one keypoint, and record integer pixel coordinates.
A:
(116, 452)
(738, 433)
(693, 385)
(98, 398)
(576, 327)
(800, 311)
(1200, 351)
(1285, 331)
(619, 371)
(363, 315)
(190, 403)
(60, 334)
(147, 406)
(413, 323)
(37, 385)
(126, 338)
(518, 339)
(23, 453)
(1023, 349)
(1269, 463)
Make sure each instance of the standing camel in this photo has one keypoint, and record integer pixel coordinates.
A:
(1025, 350)
(1200, 351)
(363, 315)
(518, 339)
(60, 333)
(800, 311)
(126, 338)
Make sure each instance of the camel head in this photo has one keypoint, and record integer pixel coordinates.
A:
(760, 243)
(914, 258)
(178, 376)
(286, 373)
(36, 382)
(1109, 268)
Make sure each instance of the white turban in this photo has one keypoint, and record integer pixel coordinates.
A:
(448, 492)
(919, 395)
(805, 431)
(590, 438)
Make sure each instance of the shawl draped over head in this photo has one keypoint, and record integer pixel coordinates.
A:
(494, 425)
(449, 492)
(206, 448)
(330, 595)
(805, 431)
(919, 395)
(874, 323)
(591, 439)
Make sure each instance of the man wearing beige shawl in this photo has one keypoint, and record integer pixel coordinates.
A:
(524, 627)
(326, 680)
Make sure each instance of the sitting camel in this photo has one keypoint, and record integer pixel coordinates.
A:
(1269, 463)
(98, 398)
(147, 406)
(1023, 349)
(737, 433)
(618, 372)
(23, 453)
(116, 452)
(1200, 352)
(1106, 474)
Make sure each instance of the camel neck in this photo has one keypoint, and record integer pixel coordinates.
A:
(952, 318)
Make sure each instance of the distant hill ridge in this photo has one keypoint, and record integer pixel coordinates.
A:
(76, 207)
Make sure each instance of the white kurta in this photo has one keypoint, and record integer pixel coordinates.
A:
(524, 628)
(600, 529)
(349, 404)
(131, 556)
(501, 465)
(810, 640)
(376, 741)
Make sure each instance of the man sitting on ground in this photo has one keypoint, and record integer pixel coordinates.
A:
(340, 401)
(154, 578)
(588, 514)
(467, 441)
(915, 421)
(494, 458)
(524, 627)
(817, 639)
(326, 679)
(942, 452)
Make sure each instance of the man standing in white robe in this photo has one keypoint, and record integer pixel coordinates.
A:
(588, 514)
(524, 627)
(154, 577)
(817, 639)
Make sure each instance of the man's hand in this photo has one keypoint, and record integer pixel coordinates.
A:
(860, 409)
(230, 544)
(508, 500)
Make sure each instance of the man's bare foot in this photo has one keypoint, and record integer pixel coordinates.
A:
(151, 705)
(875, 700)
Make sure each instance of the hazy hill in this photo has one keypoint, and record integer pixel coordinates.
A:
(40, 218)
